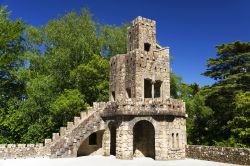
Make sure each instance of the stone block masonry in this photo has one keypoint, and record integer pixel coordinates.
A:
(220, 154)
(13, 151)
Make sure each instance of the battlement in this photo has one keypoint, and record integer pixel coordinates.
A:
(143, 21)
(8, 151)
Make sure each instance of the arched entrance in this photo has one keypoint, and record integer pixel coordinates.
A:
(144, 139)
(92, 144)
(112, 128)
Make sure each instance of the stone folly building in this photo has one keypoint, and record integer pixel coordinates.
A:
(144, 120)
(140, 118)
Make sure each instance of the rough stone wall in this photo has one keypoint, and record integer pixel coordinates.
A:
(141, 31)
(155, 67)
(128, 71)
(12, 151)
(124, 140)
(220, 154)
(164, 127)
(148, 107)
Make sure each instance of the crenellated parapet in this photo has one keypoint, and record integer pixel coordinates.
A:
(12, 151)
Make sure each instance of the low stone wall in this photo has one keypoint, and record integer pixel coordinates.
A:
(13, 151)
(220, 154)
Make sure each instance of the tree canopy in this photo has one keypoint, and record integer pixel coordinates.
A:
(61, 68)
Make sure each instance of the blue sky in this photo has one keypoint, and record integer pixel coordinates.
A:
(191, 28)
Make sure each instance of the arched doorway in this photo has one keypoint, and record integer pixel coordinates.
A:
(112, 128)
(144, 139)
(92, 144)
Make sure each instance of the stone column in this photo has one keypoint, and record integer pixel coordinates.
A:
(153, 91)
(106, 141)
(124, 141)
(161, 141)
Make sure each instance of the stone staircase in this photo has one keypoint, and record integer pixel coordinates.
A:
(67, 142)
(63, 144)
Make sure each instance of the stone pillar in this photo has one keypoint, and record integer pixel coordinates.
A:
(153, 91)
(124, 141)
(161, 141)
(106, 141)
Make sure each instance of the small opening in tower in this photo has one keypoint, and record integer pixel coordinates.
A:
(172, 140)
(177, 140)
(113, 95)
(147, 88)
(157, 89)
(147, 47)
(128, 92)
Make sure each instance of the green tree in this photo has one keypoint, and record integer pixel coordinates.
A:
(240, 124)
(11, 52)
(199, 114)
(198, 121)
(231, 71)
(11, 88)
(66, 70)
(114, 40)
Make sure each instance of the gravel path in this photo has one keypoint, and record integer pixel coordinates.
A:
(106, 161)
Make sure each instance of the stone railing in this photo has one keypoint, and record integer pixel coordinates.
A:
(220, 154)
(146, 107)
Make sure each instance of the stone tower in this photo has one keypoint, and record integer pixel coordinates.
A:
(142, 73)
(143, 120)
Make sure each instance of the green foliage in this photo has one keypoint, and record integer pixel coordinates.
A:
(92, 79)
(67, 105)
(11, 89)
(175, 82)
(219, 114)
(198, 113)
(114, 40)
(64, 72)
(199, 119)
(11, 51)
(231, 69)
(240, 124)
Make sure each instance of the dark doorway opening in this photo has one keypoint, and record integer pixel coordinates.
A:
(157, 89)
(147, 88)
(144, 139)
(112, 128)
